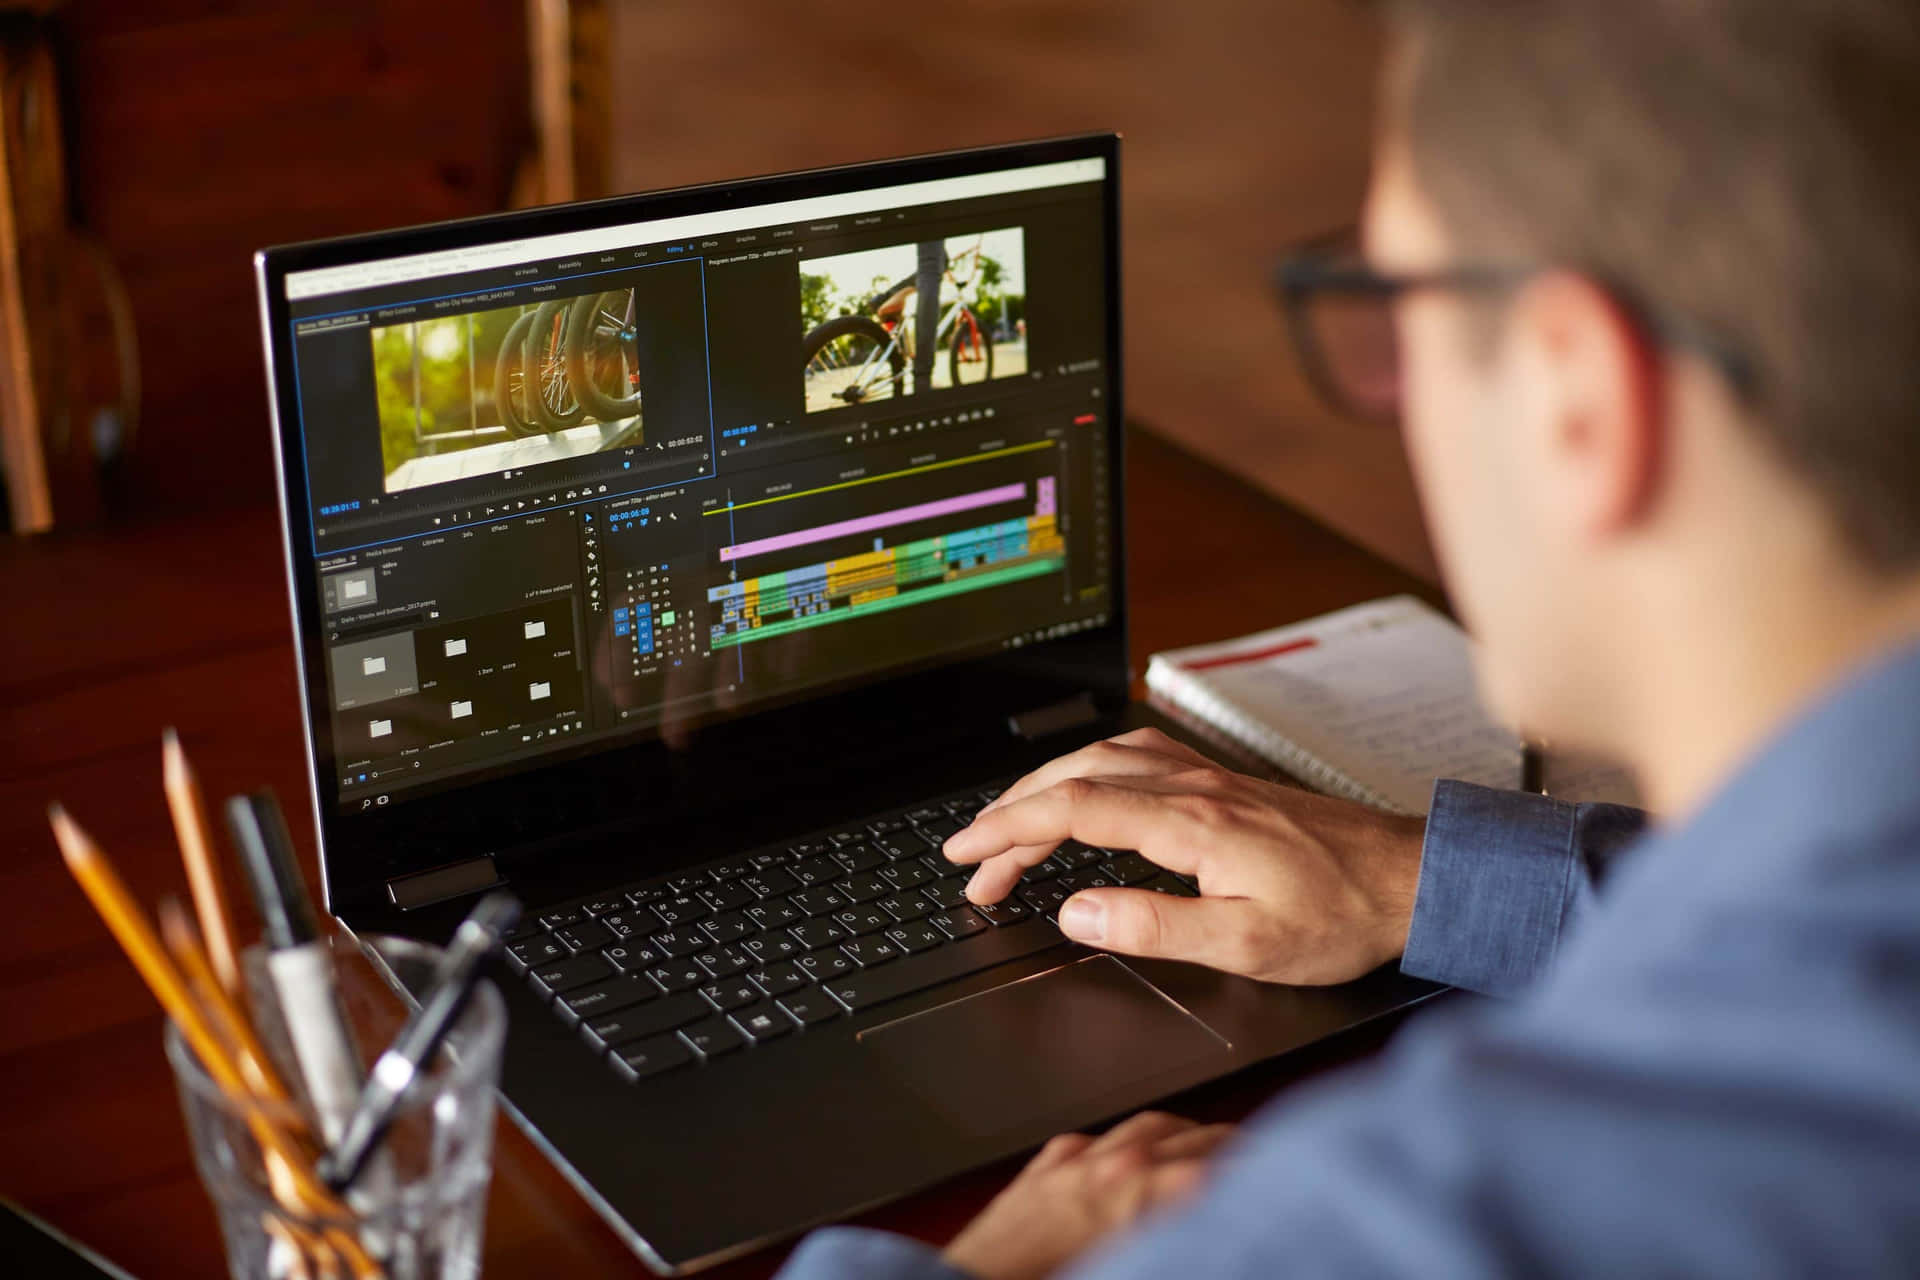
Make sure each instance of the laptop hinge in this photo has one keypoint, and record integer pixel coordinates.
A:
(453, 881)
(1043, 722)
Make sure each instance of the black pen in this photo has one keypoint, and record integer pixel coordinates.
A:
(395, 1071)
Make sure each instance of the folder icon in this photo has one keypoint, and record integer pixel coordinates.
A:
(456, 647)
(380, 728)
(535, 630)
(372, 666)
(539, 689)
(353, 589)
(461, 709)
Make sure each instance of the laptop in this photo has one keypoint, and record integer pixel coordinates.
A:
(694, 563)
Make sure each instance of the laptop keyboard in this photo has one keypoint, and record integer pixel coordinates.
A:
(746, 951)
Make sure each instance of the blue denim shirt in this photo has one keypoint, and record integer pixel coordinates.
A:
(1711, 1063)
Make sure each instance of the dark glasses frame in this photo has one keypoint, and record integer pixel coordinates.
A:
(1328, 267)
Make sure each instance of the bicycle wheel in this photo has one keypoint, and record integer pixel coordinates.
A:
(970, 357)
(549, 392)
(599, 359)
(851, 360)
(509, 378)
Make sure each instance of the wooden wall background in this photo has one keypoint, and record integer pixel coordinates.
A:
(202, 129)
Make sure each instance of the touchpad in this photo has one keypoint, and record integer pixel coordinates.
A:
(1057, 1043)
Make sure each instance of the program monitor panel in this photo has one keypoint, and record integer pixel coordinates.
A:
(600, 486)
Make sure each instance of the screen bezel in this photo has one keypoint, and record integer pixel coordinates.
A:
(649, 783)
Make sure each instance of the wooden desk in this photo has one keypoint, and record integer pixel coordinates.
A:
(113, 635)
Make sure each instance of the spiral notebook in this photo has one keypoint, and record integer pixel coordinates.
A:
(1373, 703)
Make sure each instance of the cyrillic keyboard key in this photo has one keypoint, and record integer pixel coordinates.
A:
(943, 964)
(906, 906)
(775, 913)
(736, 993)
(1076, 856)
(860, 921)
(957, 922)
(725, 897)
(818, 902)
(589, 935)
(535, 951)
(600, 906)
(1164, 883)
(901, 844)
(825, 964)
(650, 1057)
(818, 933)
(1093, 878)
(724, 962)
(730, 927)
(680, 943)
(770, 882)
(950, 892)
(1129, 868)
(868, 952)
(772, 948)
(778, 979)
(1005, 912)
(681, 909)
(915, 937)
(1044, 898)
(815, 871)
(905, 875)
(628, 957)
(563, 917)
(862, 886)
(858, 857)
(681, 975)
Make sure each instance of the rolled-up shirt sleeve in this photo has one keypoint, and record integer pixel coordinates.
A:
(1504, 875)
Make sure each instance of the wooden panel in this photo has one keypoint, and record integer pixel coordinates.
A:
(200, 131)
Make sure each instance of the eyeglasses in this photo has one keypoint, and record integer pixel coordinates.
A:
(1340, 313)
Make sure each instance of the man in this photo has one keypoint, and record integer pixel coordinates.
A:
(1654, 268)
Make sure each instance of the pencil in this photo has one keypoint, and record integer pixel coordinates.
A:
(229, 1020)
(130, 928)
(197, 851)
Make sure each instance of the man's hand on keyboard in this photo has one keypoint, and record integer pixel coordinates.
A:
(1079, 1190)
(1295, 887)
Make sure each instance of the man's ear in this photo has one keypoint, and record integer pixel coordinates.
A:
(1595, 380)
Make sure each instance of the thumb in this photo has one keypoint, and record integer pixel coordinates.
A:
(1221, 933)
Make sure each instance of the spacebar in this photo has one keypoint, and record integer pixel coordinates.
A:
(967, 955)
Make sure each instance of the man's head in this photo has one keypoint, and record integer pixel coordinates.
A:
(1739, 170)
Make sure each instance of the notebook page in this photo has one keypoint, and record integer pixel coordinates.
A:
(1383, 692)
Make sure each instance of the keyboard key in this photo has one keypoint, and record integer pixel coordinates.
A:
(841, 839)
(683, 975)
(958, 922)
(650, 1057)
(590, 935)
(1129, 868)
(1075, 856)
(824, 965)
(1044, 898)
(815, 871)
(535, 951)
(730, 927)
(906, 875)
(725, 897)
(647, 896)
(906, 906)
(600, 906)
(563, 917)
(1041, 871)
(916, 973)
(734, 994)
(925, 813)
(1005, 912)
(770, 883)
(818, 933)
(867, 952)
(564, 975)
(778, 979)
(602, 997)
(682, 909)
(947, 893)
(686, 884)
(636, 1022)
(809, 1006)
(624, 922)
(1075, 881)
(862, 920)
(818, 902)
(772, 948)
(1164, 883)
(724, 962)
(680, 943)
(903, 844)
(886, 826)
(768, 858)
(863, 886)
(729, 869)
(777, 913)
(916, 936)
(858, 857)
(989, 794)
(761, 1022)
(808, 848)
(964, 807)
(630, 957)
(712, 1037)
(938, 830)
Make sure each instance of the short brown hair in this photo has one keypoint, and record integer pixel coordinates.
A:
(1749, 165)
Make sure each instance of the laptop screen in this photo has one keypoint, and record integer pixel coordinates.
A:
(589, 488)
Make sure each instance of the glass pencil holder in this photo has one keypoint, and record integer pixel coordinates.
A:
(417, 1210)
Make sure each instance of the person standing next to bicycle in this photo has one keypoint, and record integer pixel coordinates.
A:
(926, 311)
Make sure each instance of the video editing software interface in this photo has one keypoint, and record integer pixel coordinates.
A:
(598, 484)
